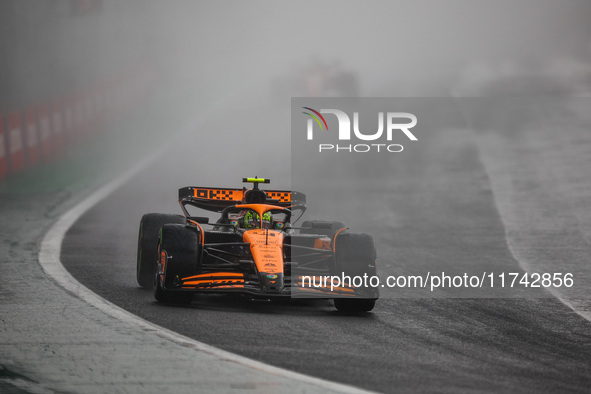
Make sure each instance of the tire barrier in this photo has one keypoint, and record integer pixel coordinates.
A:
(69, 122)
(16, 143)
(45, 131)
(57, 125)
(32, 152)
(79, 119)
(3, 153)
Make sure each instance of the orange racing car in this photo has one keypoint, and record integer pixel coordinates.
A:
(253, 248)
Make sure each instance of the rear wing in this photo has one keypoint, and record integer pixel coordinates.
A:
(216, 198)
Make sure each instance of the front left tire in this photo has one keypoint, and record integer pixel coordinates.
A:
(178, 256)
(149, 233)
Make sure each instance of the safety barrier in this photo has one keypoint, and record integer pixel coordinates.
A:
(46, 131)
(3, 153)
(16, 143)
(57, 125)
(31, 137)
(69, 122)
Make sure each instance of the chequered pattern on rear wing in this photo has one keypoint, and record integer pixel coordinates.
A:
(218, 194)
(279, 196)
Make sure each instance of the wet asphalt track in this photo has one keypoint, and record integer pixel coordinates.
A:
(447, 212)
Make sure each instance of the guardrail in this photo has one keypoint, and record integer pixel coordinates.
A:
(46, 131)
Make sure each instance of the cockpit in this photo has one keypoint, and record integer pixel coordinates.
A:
(244, 217)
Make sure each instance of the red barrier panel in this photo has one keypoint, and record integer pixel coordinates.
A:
(112, 95)
(69, 122)
(106, 93)
(57, 125)
(3, 155)
(16, 146)
(45, 133)
(80, 121)
(32, 137)
(99, 106)
(89, 110)
(118, 93)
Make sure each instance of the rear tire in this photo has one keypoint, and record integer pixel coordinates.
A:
(355, 255)
(354, 305)
(149, 233)
(178, 256)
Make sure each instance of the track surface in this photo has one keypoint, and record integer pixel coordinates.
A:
(444, 211)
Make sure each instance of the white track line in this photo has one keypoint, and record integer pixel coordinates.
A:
(526, 267)
(49, 258)
(522, 264)
(510, 245)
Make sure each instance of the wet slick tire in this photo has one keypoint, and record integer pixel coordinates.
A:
(178, 257)
(355, 255)
(147, 244)
(354, 305)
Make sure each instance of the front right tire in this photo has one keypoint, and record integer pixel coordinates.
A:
(355, 255)
(354, 305)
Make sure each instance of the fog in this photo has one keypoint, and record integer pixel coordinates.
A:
(396, 48)
(251, 57)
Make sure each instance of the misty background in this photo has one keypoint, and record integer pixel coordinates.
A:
(220, 76)
(395, 48)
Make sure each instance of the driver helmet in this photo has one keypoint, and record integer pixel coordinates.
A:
(251, 220)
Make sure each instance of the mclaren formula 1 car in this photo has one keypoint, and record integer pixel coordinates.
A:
(254, 248)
